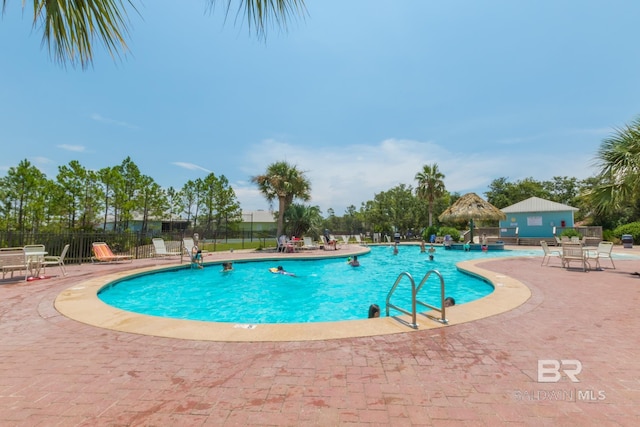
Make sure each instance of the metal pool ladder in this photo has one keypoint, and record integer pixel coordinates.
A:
(414, 300)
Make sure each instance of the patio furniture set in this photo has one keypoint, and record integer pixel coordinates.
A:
(33, 260)
(577, 252)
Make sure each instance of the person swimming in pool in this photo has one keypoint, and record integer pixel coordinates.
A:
(374, 311)
(449, 301)
(354, 261)
(227, 266)
(280, 270)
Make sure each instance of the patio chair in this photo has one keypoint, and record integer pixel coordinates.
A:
(548, 253)
(574, 252)
(52, 260)
(13, 259)
(102, 253)
(345, 239)
(358, 239)
(604, 251)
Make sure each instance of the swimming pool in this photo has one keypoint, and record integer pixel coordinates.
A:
(322, 290)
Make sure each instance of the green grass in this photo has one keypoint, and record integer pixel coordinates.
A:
(227, 246)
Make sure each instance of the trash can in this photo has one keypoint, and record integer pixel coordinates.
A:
(627, 241)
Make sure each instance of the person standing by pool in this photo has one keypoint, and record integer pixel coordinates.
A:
(196, 257)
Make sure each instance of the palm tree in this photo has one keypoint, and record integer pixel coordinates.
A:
(430, 186)
(302, 220)
(284, 182)
(70, 27)
(619, 177)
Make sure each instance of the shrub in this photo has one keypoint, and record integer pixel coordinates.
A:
(454, 233)
(426, 234)
(632, 228)
(610, 236)
(570, 232)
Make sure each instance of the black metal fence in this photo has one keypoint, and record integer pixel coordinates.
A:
(136, 244)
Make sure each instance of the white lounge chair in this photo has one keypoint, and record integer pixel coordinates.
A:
(308, 243)
(160, 248)
(282, 243)
(345, 239)
(358, 239)
(52, 260)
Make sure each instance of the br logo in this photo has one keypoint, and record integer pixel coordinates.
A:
(549, 370)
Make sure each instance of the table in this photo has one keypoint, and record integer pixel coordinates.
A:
(34, 261)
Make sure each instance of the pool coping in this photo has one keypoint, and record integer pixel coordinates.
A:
(81, 303)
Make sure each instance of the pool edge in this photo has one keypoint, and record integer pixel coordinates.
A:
(81, 303)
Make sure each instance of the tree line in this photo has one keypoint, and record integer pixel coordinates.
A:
(83, 199)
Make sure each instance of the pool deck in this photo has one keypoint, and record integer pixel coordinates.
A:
(55, 371)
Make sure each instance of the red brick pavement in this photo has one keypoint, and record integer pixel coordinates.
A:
(57, 372)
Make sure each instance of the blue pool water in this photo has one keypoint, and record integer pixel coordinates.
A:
(322, 290)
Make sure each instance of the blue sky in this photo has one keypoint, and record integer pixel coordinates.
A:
(360, 94)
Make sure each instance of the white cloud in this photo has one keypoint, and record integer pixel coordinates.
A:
(106, 120)
(39, 160)
(190, 166)
(67, 147)
(353, 174)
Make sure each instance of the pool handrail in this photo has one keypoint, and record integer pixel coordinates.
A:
(414, 300)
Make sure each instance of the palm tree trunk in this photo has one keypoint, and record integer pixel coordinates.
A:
(281, 208)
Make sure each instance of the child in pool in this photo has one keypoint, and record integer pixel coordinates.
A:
(280, 270)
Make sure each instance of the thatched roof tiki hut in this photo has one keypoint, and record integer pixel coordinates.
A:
(471, 207)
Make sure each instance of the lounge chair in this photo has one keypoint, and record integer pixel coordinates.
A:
(345, 239)
(308, 243)
(548, 253)
(160, 248)
(51, 260)
(285, 245)
(188, 244)
(603, 251)
(328, 244)
(358, 239)
(102, 253)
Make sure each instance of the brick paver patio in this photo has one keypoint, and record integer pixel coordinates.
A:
(58, 372)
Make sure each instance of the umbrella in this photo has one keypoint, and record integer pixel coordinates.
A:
(471, 207)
